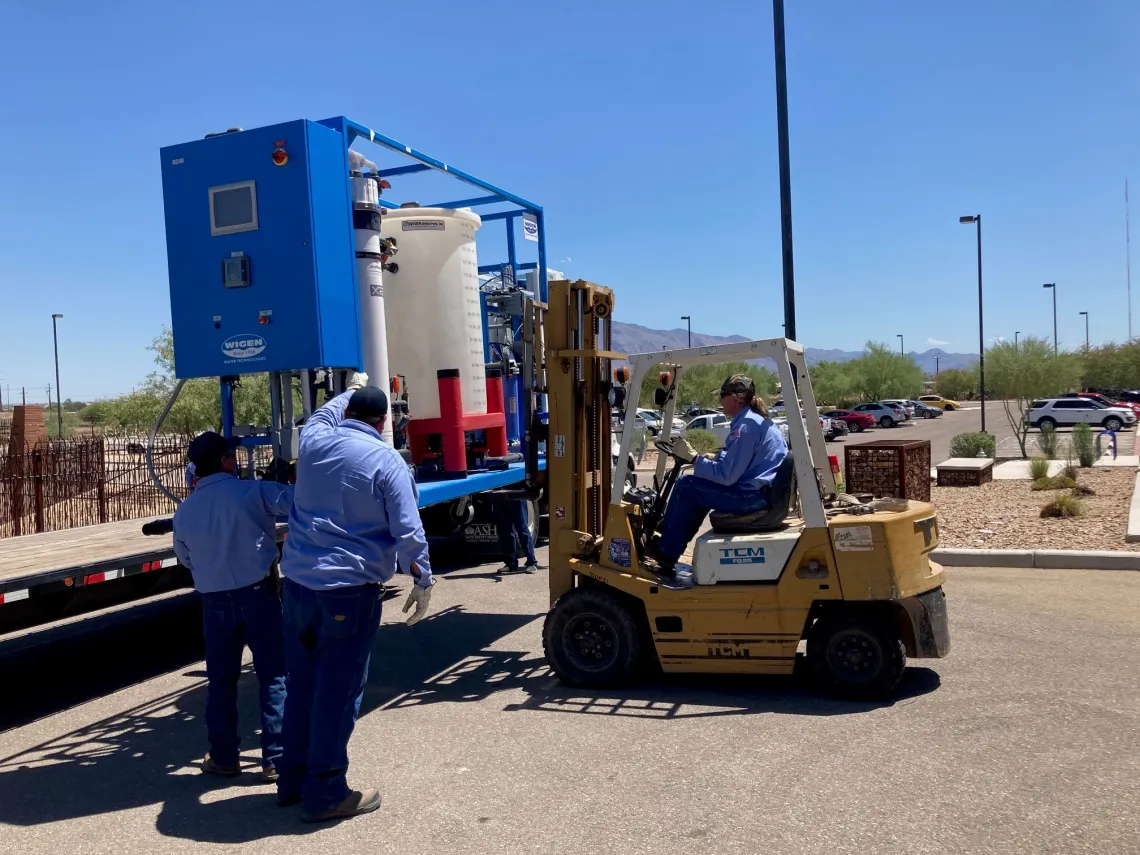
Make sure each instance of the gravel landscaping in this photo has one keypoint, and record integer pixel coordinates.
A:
(1006, 515)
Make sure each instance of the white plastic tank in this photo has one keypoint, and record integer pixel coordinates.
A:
(432, 301)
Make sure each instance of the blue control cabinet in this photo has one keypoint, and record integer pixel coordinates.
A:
(260, 247)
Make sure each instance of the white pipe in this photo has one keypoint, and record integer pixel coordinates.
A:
(358, 161)
(373, 321)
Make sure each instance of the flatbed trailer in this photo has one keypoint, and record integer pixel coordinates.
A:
(41, 575)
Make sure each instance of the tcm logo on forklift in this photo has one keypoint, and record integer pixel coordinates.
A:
(742, 555)
(244, 346)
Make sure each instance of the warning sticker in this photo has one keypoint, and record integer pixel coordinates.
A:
(621, 552)
(853, 538)
(423, 225)
(560, 512)
(560, 445)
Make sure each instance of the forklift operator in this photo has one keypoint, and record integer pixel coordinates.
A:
(737, 479)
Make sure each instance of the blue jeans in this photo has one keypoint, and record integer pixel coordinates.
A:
(230, 620)
(691, 501)
(512, 521)
(328, 642)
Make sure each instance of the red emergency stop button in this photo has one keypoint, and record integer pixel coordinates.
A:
(280, 156)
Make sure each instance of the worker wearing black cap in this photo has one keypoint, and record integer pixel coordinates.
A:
(737, 479)
(225, 534)
(354, 523)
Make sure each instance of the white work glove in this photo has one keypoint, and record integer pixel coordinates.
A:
(678, 447)
(358, 380)
(420, 598)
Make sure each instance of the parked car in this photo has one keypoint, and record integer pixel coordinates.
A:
(883, 414)
(907, 409)
(1108, 402)
(1132, 397)
(856, 422)
(718, 424)
(1065, 412)
(938, 401)
(833, 428)
(924, 412)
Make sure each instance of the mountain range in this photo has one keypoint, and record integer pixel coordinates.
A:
(634, 338)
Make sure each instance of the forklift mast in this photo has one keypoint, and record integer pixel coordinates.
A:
(579, 381)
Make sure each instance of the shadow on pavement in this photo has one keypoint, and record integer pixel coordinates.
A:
(150, 753)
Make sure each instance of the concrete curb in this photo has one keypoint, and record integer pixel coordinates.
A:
(1133, 535)
(1044, 559)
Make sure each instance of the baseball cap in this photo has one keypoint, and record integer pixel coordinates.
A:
(367, 403)
(738, 384)
(209, 448)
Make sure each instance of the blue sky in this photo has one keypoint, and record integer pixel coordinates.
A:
(645, 129)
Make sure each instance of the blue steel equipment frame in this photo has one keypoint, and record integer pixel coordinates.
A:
(438, 492)
(351, 131)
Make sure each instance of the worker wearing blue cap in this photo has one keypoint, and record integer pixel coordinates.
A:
(225, 533)
(355, 521)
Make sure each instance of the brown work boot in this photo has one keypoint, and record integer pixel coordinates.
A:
(356, 804)
(212, 768)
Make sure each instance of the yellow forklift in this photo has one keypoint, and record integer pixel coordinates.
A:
(852, 580)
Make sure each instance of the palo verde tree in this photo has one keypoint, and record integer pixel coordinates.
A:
(957, 384)
(882, 373)
(1020, 374)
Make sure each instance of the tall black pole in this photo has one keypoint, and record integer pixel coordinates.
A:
(58, 406)
(785, 169)
(981, 332)
(688, 319)
(1086, 314)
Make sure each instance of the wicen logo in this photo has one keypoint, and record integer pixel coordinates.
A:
(244, 346)
(742, 555)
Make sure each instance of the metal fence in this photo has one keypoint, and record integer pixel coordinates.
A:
(62, 485)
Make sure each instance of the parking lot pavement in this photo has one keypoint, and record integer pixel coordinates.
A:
(939, 431)
(1023, 740)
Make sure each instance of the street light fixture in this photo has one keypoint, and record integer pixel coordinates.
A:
(977, 219)
(689, 323)
(58, 405)
(901, 351)
(1016, 333)
(1053, 285)
(1086, 314)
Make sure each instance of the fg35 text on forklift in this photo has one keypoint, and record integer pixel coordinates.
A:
(855, 581)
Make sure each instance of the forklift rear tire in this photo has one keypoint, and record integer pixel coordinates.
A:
(855, 656)
(592, 639)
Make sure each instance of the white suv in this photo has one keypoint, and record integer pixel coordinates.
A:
(1065, 412)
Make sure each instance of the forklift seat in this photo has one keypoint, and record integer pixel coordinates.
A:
(769, 519)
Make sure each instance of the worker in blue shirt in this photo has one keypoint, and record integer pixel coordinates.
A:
(354, 521)
(737, 479)
(225, 533)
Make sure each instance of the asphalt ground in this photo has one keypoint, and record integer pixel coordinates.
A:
(1024, 740)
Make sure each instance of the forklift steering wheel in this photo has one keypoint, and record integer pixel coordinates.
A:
(657, 513)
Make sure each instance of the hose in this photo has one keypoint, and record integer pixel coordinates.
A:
(150, 444)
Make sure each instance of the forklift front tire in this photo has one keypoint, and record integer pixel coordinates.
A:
(592, 640)
(856, 656)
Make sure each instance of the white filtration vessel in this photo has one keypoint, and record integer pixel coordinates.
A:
(432, 304)
(370, 291)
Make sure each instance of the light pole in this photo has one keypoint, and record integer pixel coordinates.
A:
(1053, 285)
(785, 168)
(58, 406)
(935, 366)
(901, 351)
(1086, 314)
(1016, 333)
(977, 218)
(689, 323)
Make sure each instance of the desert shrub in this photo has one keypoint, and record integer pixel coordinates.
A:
(1047, 442)
(969, 444)
(1081, 490)
(1057, 482)
(1084, 445)
(1070, 471)
(702, 441)
(1039, 468)
(1063, 507)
